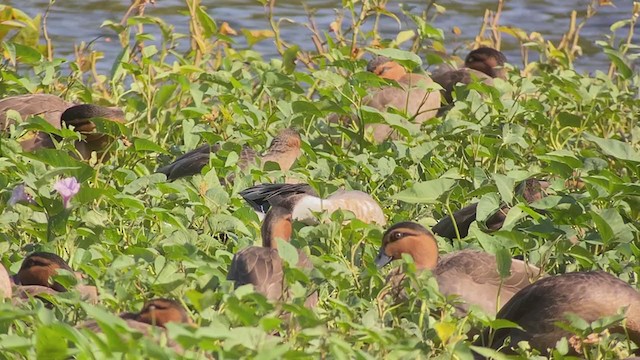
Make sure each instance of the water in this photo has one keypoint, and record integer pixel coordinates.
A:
(73, 21)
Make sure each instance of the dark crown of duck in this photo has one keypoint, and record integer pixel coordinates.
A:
(376, 62)
(39, 267)
(159, 312)
(394, 235)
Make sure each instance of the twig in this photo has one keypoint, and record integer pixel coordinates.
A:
(45, 33)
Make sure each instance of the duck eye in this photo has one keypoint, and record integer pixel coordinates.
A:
(398, 235)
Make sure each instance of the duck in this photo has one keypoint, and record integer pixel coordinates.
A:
(57, 111)
(591, 295)
(482, 64)
(472, 275)
(531, 190)
(284, 150)
(413, 95)
(261, 266)
(5, 284)
(35, 278)
(303, 201)
(155, 315)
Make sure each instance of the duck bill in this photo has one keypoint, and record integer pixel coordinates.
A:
(382, 259)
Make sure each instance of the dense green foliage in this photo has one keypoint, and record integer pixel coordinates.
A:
(137, 236)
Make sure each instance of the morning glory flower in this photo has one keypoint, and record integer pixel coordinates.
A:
(67, 188)
(19, 195)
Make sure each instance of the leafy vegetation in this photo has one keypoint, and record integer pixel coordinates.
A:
(137, 236)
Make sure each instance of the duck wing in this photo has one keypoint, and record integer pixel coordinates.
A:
(463, 219)
(190, 163)
(590, 295)
(259, 266)
(473, 275)
(261, 197)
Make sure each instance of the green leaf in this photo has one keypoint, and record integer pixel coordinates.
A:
(147, 145)
(287, 252)
(425, 192)
(50, 344)
(505, 186)
(406, 58)
(615, 148)
(503, 261)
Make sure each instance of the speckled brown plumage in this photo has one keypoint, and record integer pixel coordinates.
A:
(284, 150)
(470, 274)
(590, 295)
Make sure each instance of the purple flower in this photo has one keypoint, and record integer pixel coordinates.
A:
(67, 188)
(19, 195)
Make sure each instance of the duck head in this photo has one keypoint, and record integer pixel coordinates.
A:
(408, 238)
(487, 60)
(80, 117)
(159, 312)
(278, 223)
(39, 267)
(386, 68)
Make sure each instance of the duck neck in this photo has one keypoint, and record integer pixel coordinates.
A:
(424, 253)
(274, 228)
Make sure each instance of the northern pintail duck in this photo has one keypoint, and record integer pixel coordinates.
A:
(284, 150)
(470, 274)
(303, 201)
(57, 111)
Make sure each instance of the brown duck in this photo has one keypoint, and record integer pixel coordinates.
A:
(155, 314)
(262, 265)
(5, 283)
(284, 150)
(56, 112)
(590, 295)
(411, 96)
(531, 190)
(482, 64)
(35, 278)
(303, 201)
(472, 275)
